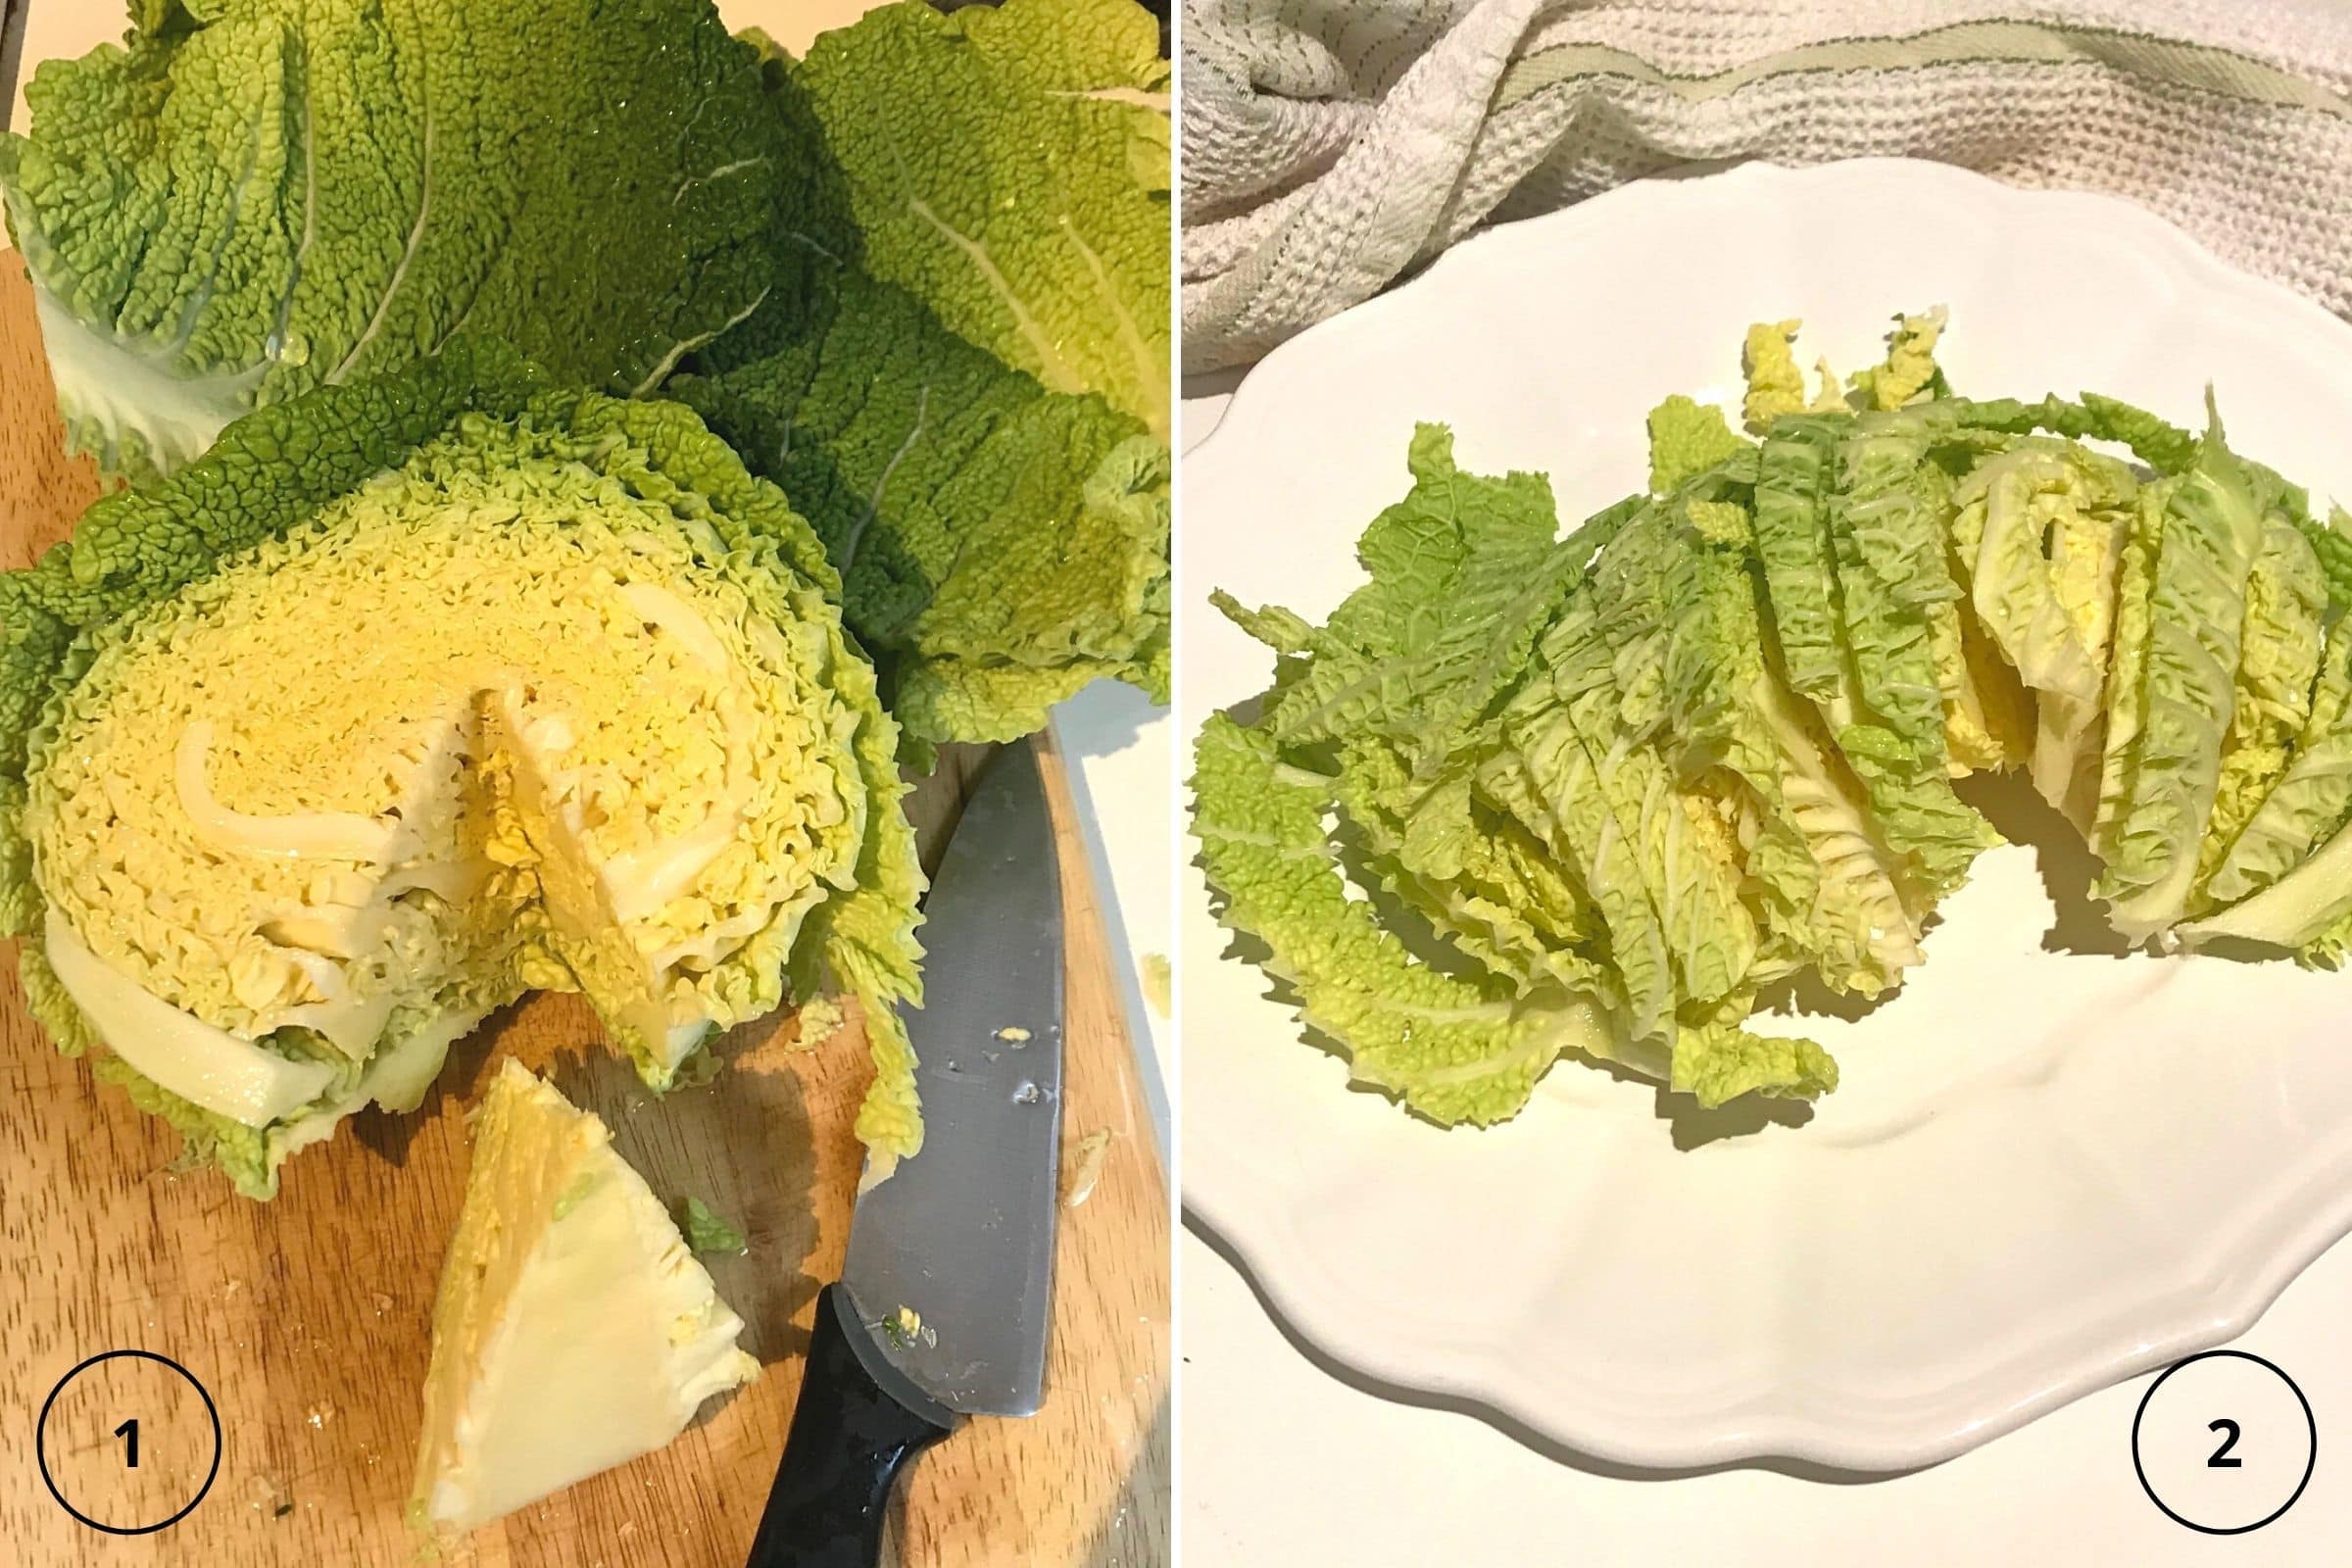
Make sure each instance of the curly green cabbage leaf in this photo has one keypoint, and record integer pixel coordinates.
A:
(2044, 526)
(1909, 373)
(601, 729)
(1775, 384)
(960, 374)
(1000, 546)
(1685, 600)
(1389, 662)
(1716, 1063)
(1455, 1049)
(1009, 167)
(2312, 796)
(253, 198)
(1500, 788)
(2305, 912)
(2169, 718)
(2331, 542)
(1686, 439)
(2286, 598)
(1793, 478)
(1887, 518)
(1660, 873)
(1475, 874)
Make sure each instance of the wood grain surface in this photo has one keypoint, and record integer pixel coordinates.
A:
(306, 1319)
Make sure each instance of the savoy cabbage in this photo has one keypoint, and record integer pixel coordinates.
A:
(419, 693)
(921, 277)
(1708, 740)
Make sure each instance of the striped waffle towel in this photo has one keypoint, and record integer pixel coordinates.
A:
(1330, 146)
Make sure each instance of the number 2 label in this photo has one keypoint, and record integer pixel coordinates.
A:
(2223, 1458)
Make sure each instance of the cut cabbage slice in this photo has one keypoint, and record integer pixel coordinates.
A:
(612, 768)
(574, 1329)
(204, 1065)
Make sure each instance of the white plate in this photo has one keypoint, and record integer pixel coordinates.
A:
(2043, 1171)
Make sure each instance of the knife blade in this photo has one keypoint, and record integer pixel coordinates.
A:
(954, 1255)
(12, 53)
(945, 1299)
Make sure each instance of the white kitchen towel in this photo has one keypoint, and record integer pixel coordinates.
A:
(1330, 146)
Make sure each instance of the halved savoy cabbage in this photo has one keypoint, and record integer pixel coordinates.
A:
(415, 695)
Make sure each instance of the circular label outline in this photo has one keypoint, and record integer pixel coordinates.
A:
(40, 1441)
(2310, 1422)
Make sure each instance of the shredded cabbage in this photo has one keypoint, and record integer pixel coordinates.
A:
(1616, 783)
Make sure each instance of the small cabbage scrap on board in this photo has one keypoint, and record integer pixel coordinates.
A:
(1708, 740)
(420, 693)
(920, 279)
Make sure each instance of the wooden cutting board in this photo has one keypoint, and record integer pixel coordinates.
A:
(306, 1319)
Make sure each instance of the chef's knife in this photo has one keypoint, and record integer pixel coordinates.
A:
(12, 53)
(940, 1308)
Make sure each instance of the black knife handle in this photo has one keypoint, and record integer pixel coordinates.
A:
(856, 1425)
